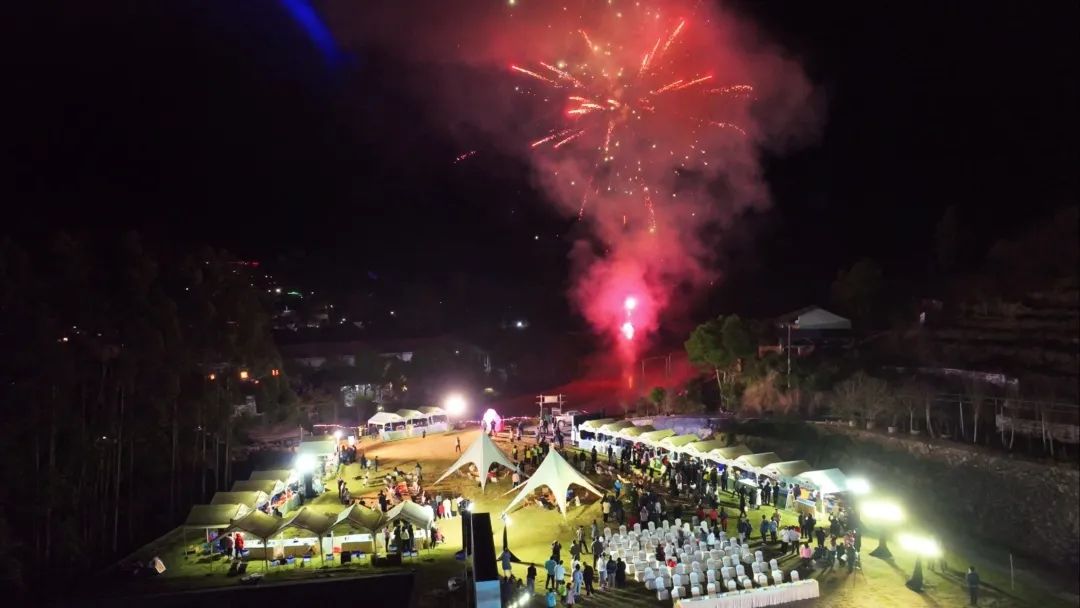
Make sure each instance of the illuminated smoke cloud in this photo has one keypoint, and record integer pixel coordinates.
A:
(645, 120)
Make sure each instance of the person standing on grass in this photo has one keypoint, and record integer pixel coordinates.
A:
(601, 569)
(530, 578)
(972, 579)
(763, 527)
(578, 577)
(549, 568)
(505, 558)
(612, 571)
(587, 574)
(560, 574)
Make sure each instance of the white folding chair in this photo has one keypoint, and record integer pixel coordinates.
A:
(777, 577)
(758, 556)
(794, 576)
(746, 583)
(710, 576)
(756, 567)
(762, 580)
(731, 585)
(710, 589)
(740, 571)
(772, 564)
(662, 594)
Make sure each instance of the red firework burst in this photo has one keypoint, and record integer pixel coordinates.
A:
(634, 108)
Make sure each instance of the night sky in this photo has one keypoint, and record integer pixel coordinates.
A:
(231, 123)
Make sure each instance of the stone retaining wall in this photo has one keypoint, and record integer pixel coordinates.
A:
(1031, 508)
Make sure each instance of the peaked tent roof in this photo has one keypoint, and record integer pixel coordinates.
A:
(654, 437)
(307, 519)
(827, 481)
(758, 460)
(557, 474)
(361, 518)
(678, 441)
(483, 453)
(786, 469)
(418, 516)
(258, 524)
(248, 499)
(592, 425)
(271, 475)
(701, 448)
(410, 414)
(432, 410)
(385, 418)
(631, 432)
(613, 428)
(266, 486)
(214, 516)
(815, 318)
(729, 453)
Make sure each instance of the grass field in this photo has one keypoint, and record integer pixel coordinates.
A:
(878, 583)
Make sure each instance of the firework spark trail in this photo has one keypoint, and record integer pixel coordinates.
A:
(464, 156)
(568, 139)
(533, 74)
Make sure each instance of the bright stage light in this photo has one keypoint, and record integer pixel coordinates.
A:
(881, 511)
(454, 405)
(630, 303)
(305, 463)
(338, 434)
(922, 546)
(628, 330)
(858, 485)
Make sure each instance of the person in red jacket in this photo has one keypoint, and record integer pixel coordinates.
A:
(238, 544)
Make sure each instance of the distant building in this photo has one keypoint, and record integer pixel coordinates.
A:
(811, 329)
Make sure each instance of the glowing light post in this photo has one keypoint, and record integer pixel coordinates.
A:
(455, 405)
(886, 515)
(921, 546)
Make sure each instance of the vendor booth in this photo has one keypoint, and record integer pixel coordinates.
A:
(786, 471)
(675, 443)
(258, 528)
(360, 526)
(266, 486)
(653, 438)
(251, 500)
(437, 419)
(633, 433)
(754, 463)
(415, 421)
(207, 518)
(612, 429)
(701, 449)
(388, 426)
(587, 436)
(819, 489)
(724, 456)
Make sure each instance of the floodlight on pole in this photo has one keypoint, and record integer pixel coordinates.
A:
(921, 546)
(885, 514)
(455, 405)
(338, 434)
(858, 485)
(305, 463)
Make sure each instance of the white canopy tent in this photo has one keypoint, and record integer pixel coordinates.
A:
(816, 318)
(756, 462)
(420, 517)
(557, 474)
(826, 481)
(786, 470)
(482, 453)
(701, 449)
(384, 418)
(726, 455)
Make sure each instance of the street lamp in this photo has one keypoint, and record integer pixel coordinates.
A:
(886, 514)
(921, 546)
